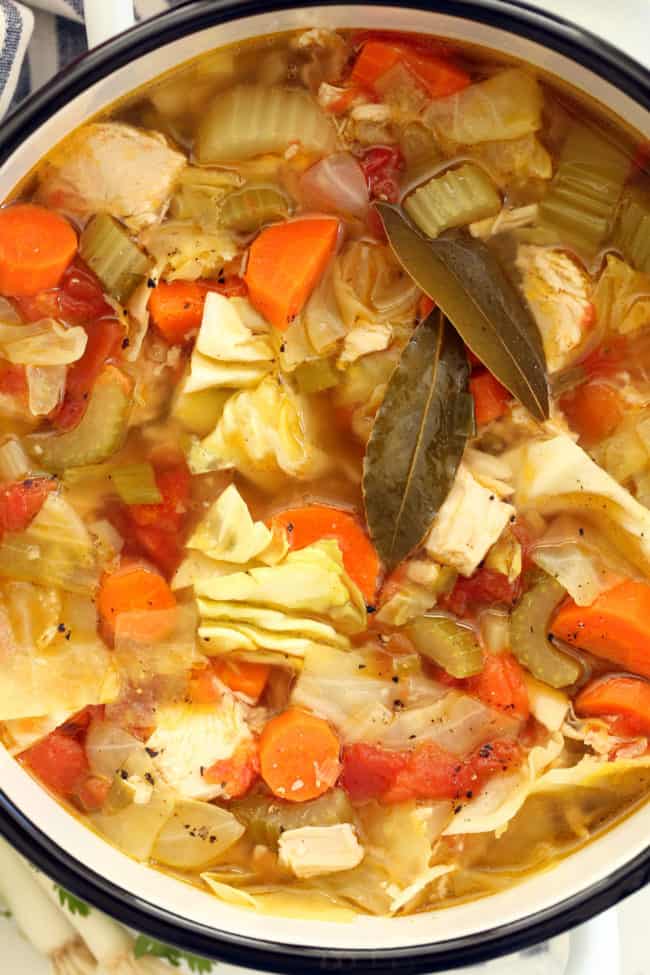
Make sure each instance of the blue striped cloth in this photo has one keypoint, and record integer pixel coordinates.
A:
(38, 37)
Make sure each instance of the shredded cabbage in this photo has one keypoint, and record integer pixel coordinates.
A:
(185, 250)
(621, 297)
(267, 433)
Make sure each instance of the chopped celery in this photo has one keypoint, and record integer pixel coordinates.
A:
(529, 629)
(116, 260)
(249, 209)
(100, 432)
(452, 646)
(632, 232)
(249, 120)
(266, 819)
(136, 484)
(316, 376)
(459, 197)
(582, 199)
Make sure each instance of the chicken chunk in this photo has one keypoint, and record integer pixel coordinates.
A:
(468, 524)
(558, 292)
(109, 166)
(314, 850)
(189, 740)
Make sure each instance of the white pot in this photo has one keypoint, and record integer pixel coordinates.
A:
(548, 902)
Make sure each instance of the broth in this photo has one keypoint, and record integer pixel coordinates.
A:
(340, 585)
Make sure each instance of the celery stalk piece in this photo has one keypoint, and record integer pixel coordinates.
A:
(316, 376)
(249, 120)
(252, 207)
(632, 231)
(136, 484)
(459, 197)
(582, 199)
(100, 432)
(530, 624)
(450, 645)
(117, 261)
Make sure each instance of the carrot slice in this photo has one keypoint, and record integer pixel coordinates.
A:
(135, 588)
(616, 626)
(627, 697)
(243, 676)
(299, 756)
(491, 399)
(307, 525)
(177, 308)
(36, 246)
(285, 263)
(438, 75)
(593, 410)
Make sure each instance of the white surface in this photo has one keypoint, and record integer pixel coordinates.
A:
(629, 28)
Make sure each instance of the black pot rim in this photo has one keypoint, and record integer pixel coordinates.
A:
(603, 60)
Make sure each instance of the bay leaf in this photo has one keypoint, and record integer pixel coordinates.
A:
(463, 277)
(417, 439)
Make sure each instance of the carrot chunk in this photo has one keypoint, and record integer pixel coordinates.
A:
(242, 676)
(307, 525)
(36, 247)
(135, 588)
(616, 626)
(299, 756)
(285, 263)
(491, 399)
(438, 75)
(593, 410)
(620, 697)
(177, 306)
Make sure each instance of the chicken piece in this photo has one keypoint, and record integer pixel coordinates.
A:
(557, 290)
(315, 850)
(112, 167)
(190, 739)
(468, 524)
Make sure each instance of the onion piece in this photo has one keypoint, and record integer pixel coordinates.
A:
(336, 184)
(46, 386)
(108, 746)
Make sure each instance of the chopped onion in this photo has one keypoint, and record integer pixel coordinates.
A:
(108, 746)
(336, 184)
(46, 386)
(196, 834)
(14, 462)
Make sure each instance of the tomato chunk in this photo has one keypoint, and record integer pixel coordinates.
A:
(484, 587)
(501, 684)
(21, 502)
(105, 339)
(60, 763)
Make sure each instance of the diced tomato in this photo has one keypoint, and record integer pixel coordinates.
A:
(105, 339)
(157, 528)
(501, 684)
(485, 586)
(78, 299)
(13, 379)
(425, 772)
(381, 166)
(93, 792)
(20, 502)
(60, 763)
(491, 399)
(236, 774)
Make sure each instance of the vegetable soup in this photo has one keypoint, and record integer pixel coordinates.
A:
(325, 473)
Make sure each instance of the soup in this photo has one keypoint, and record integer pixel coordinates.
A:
(325, 462)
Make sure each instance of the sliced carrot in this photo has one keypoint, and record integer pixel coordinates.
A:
(299, 756)
(593, 410)
(242, 676)
(177, 306)
(135, 588)
(620, 697)
(501, 684)
(491, 399)
(438, 75)
(285, 262)
(307, 525)
(616, 626)
(36, 246)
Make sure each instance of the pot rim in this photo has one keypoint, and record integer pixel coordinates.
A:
(604, 60)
